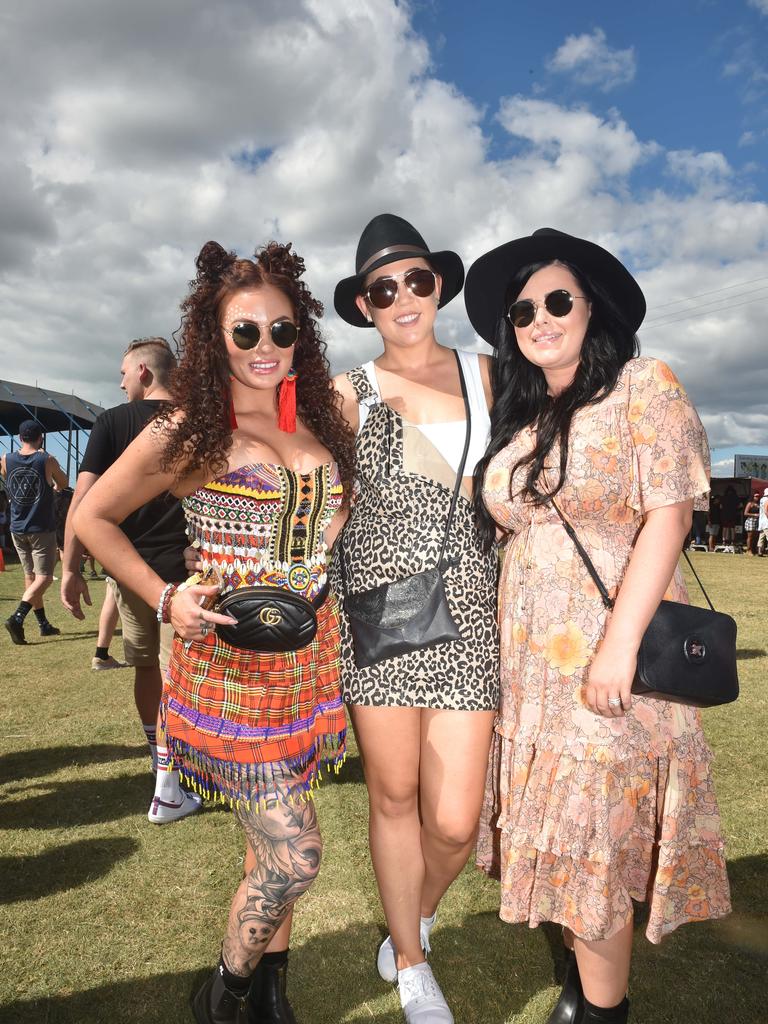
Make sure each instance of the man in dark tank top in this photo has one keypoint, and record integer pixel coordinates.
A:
(31, 475)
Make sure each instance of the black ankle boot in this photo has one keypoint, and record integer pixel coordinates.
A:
(215, 1004)
(267, 1002)
(570, 1005)
(611, 1015)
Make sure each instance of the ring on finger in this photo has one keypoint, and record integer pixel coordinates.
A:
(614, 702)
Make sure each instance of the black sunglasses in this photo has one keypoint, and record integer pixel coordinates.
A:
(383, 292)
(557, 303)
(247, 334)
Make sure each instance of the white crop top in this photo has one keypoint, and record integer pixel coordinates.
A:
(449, 437)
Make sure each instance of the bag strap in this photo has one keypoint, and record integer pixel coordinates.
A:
(462, 464)
(456, 489)
(460, 470)
(607, 600)
(690, 564)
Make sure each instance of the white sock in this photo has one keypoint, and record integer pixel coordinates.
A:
(150, 731)
(167, 783)
(426, 925)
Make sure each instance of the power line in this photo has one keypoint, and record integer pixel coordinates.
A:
(723, 302)
(712, 291)
(674, 318)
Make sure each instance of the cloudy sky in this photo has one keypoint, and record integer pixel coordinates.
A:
(133, 132)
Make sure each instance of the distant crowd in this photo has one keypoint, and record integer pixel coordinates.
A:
(732, 524)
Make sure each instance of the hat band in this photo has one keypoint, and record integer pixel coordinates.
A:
(388, 252)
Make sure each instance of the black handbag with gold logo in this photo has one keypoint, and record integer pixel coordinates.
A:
(269, 619)
(687, 654)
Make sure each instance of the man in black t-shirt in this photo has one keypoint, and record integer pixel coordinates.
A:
(157, 531)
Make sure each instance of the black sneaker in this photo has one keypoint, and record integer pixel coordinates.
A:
(16, 629)
(48, 630)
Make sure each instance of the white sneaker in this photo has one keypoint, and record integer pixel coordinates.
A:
(421, 998)
(163, 811)
(385, 960)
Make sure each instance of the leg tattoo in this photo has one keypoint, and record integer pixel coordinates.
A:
(285, 838)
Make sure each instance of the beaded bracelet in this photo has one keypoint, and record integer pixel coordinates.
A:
(164, 604)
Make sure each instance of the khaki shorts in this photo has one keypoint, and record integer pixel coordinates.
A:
(146, 643)
(38, 552)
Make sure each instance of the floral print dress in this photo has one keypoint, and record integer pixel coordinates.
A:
(584, 814)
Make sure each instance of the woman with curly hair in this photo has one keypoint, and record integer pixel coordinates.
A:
(255, 447)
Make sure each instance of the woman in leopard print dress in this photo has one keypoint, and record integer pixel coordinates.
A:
(423, 720)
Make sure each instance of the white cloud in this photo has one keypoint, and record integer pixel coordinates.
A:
(759, 5)
(591, 61)
(149, 128)
(708, 171)
(609, 147)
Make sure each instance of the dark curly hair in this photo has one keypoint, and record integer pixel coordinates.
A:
(520, 389)
(200, 386)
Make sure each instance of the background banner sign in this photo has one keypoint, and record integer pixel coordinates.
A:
(751, 465)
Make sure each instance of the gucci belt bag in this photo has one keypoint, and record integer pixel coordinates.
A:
(269, 619)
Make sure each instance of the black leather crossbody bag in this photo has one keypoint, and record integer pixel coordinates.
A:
(409, 614)
(269, 619)
(687, 654)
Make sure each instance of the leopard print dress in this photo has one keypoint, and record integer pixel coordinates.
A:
(395, 529)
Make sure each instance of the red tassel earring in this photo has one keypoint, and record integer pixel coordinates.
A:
(286, 403)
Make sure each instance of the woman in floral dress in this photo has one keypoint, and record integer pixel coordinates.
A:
(596, 798)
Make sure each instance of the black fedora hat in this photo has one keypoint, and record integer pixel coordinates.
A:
(388, 239)
(490, 274)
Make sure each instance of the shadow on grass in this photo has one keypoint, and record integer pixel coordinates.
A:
(65, 637)
(747, 653)
(63, 868)
(332, 977)
(351, 771)
(80, 802)
(488, 972)
(37, 761)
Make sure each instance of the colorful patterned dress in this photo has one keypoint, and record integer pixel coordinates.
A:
(583, 813)
(237, 720)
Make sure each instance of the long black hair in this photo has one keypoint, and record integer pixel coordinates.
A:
(520, 388)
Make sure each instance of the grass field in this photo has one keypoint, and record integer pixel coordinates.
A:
(104, 917)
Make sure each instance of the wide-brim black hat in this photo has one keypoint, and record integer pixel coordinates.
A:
(490, 274)
(388, 239)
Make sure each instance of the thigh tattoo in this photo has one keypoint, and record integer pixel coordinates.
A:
(285, 838)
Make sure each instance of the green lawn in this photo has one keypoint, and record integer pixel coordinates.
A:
(105, 917)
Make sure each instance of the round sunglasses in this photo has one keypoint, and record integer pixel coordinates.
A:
(247, 334)
(557, 303)
(383, 291)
